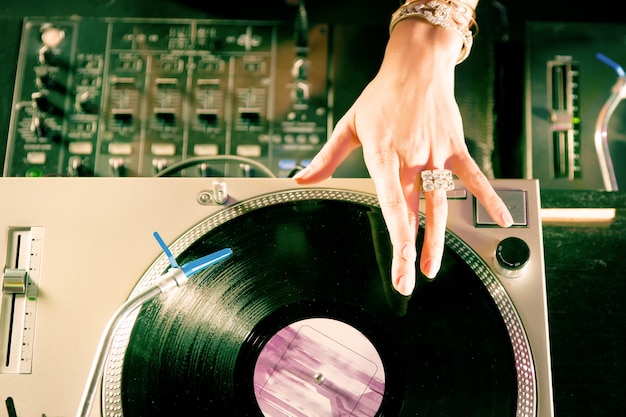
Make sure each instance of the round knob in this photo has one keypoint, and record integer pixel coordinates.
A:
(52, 36)
(511, 257)
(41, 101)
(86, 103)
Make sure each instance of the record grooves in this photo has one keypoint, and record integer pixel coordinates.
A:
(446, 351)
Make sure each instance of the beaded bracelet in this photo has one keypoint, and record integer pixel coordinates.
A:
(449, 14)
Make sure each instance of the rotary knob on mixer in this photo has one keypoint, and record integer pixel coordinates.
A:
(511, 257)
(51, 38)
(41, 101)
(85, 103)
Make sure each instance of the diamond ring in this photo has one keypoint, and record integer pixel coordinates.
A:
(437, 179)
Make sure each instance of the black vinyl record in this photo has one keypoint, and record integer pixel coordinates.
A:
(446, 350)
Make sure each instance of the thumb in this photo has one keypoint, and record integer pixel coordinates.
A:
(341, 142)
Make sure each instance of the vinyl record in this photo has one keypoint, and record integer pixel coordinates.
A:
(237, 339)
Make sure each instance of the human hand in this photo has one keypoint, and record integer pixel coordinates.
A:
(407, 120)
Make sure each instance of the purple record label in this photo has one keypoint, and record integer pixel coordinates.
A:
(319, 367)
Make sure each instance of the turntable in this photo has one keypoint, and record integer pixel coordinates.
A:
(300, 321)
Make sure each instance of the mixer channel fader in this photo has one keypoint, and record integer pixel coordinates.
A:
(138, 97)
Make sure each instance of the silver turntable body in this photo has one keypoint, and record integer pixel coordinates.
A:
(75, 249)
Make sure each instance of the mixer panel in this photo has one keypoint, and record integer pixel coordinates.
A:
(136, 97)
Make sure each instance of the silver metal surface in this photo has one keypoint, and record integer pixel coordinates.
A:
(99, 239)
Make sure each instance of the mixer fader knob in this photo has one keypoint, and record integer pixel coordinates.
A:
(76, 167)
(511, 257)
(159, 164)
(118, 167)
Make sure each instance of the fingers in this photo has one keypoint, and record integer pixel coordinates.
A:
(437, 211)
(398, 193)
(399, 200)
(434, 233)
(478, 184)
(339, 145)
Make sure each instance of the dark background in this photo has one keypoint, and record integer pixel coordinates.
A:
(586, 270)
(490, 84)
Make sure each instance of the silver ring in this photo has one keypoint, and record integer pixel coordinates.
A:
(437, 179)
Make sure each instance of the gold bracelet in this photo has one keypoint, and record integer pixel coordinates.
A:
(449, 14)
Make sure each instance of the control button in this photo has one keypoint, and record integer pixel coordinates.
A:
(52, 36)
(163, 149)
(120, 148)
(314, 139)
(81, 148)
(515, 200)
(511, 257)
(249, 151)
(205, 149)
(36, 158)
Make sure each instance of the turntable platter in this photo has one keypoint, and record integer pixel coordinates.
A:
(454, 348)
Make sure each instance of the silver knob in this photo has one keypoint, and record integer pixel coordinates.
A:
(14, 281)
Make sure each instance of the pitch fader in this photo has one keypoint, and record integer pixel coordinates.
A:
(137, 97)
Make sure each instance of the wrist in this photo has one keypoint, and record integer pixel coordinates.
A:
(452, 15)
(418, 41)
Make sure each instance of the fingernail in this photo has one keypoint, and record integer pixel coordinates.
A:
(431, 267)
(301, 174)
(506, 217)
(409, 252)
(405, 285)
